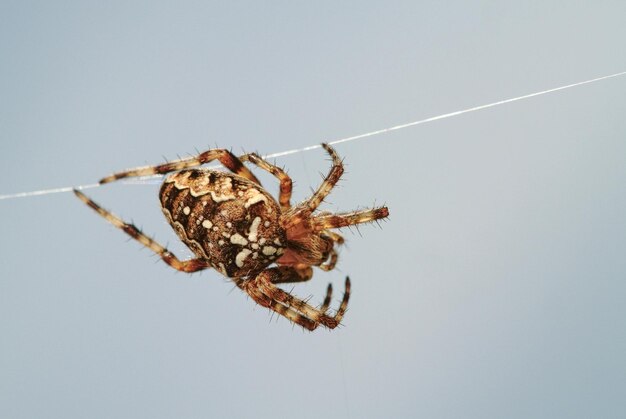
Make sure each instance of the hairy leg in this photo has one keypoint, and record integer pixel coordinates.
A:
(332, 261)
(307, 207)
(290, 274)
(265, 293)
(228, 159)
(286, 184)
(168, 257)
(335, 237)
(325, 222)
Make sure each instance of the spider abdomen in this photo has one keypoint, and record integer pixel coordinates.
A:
(224, 219)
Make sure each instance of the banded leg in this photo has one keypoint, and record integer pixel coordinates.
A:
(267, 294)
(329, 182)
(286, 184)
(317, 315)
(332, 258)
(335, 237)
(329, 295)
(324, 189)
(347, 219)
(228, 159)
(332, 261)
(168, 257)
(265, 301)
(289, 274)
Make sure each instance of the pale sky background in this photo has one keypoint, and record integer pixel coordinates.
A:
(495, 290)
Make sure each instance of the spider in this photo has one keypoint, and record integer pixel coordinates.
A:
(233, 225)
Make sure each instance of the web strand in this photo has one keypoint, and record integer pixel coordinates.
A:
(353, 138)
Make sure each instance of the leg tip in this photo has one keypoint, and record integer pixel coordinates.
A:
(79, 194)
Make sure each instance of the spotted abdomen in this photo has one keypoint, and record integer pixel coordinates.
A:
(225, 219)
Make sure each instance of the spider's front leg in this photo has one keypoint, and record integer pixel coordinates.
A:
(192, 265)
(332, 261)
(299, 273)
(265, 293)
(332, 258)
(324, 222)
(329, 182)
(286, 184)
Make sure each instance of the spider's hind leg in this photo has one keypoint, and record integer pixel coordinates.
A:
(228, 159)
(168, 257)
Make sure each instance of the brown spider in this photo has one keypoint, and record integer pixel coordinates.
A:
(233, 225)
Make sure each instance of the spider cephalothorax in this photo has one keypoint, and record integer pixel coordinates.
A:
(233, 225)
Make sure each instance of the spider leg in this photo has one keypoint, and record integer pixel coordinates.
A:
(290, 274)
(302, 273)
(307, 207)
(317, 315)
(329, 295)
(168, 257)
(264, 292)
(278, 307)
(228, 159)
(285, 181)
(332, 262)
(329, 182)
(350, 218)
(336, 238)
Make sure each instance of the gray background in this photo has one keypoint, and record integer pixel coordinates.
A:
(496, 289)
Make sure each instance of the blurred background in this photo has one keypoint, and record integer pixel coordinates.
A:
(495, 289)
